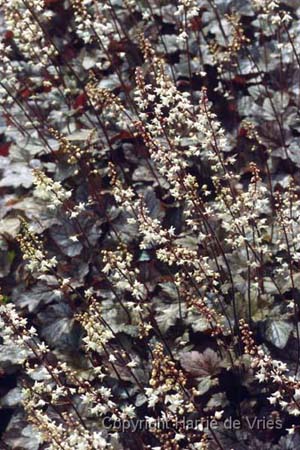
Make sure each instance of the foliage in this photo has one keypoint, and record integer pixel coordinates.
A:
(150, 233)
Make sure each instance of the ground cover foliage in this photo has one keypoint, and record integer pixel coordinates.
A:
(149, 222)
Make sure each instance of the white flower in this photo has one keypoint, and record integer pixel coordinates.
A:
(74, 214)
(153, 397)
(49, 190)
(132, 364)
(179, 436)
(219, 414)
(128, 411)
(88, 292)
(261, 377)
(65, 281)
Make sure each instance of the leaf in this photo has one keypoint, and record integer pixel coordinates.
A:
(201, 364)
(197, 321)
(292, 152)
(290, 442)
(153, 204)
(9, 226)
(81, 135)
(216, 401)
(17, 174)
(6, 259)
(167, 315)
(20, 435)
(206, 384)
(110, 83)
(12, 398)
(40, 294)
(169, 289)
(275, 105)
(88, 62)
(65, 234)
(62, 236)
(11, 355)
(122, 135)
(80, 102)
(127, 231)
(116, 316)
(58, 327)
(4, 148)
(278, 332)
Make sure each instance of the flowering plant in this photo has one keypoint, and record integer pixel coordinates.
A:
(150, 234)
